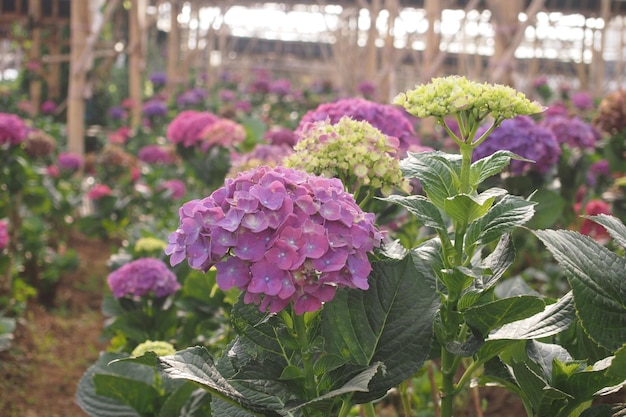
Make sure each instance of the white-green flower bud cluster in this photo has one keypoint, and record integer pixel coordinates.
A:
(449, 95)
(353, 151)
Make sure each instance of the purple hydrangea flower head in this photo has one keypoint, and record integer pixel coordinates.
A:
(117, 113)
(582, 101)
(262, 154)
(366, 88)
(158, 79)
(4, 234)
(279, 135)
(191, 97)
(176, 187)
(187, 127)
(243, 105)
(223, 132)
(572, 131)
(524, 137)
(227, 96)
(155, 108)
(280, 87)
(155, 154)
(142, 277)
(390, 120)
(69, 161)
(600, 167)
(48, 107)
(281, 235)
(13, 130)
(557, 108)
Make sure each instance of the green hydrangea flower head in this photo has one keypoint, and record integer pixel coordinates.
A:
(354, 151)
(150, 245)
(159, 347)
(449, 95)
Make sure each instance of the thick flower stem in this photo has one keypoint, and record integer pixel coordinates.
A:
(448, 370)
(307, 357)
(466, 162)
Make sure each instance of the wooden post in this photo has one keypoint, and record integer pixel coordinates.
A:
(34, 53)
(432, 39)
(79, 32)
(371, 51)
(136, 59)
(173, 46)
(597, 66)
(54, 79)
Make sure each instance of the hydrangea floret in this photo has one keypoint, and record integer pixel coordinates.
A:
(13, 130)
(4, 234)
(159, 347)
(357, 153)
(279, 235)
(141, 277)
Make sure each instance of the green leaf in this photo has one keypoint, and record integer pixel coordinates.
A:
(613, 225)
(499, 261)
(196, 364)
(100, 406)
(491, 165)
(187, 401)
(425, 211)
(504, 216)
(596, 276)
(465, 208)
(489, 316)
(392, 322)
(545, 355)
(438, 173)
(140, 396)
(552, 320)
(549, 209)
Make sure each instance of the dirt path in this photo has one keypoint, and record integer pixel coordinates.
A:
(54, 347)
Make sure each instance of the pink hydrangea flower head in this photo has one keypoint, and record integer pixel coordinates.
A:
(176, 187)
(589, 227)
(99, 191)
(186, 128)
(389, 119)
(142, 277)
(279, 135)
(280, 235)
(223, 132)
(13, 130)
(4, 234)
(156, 154)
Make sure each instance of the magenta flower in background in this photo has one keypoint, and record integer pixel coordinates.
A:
(99, 191)
(243, 105)
(572, 131)
(48, 107)
(13, 130)
(269, 154)
(117, 113)
(155, 154)
(390, 120)
(175, 187)
(279, 135)
(367, 88)
(582, 101)
(227, 96)
(280, 235)
(190, 98)
(556, 109)
(142, 277)
(4, 234)
(69, 161)
(186, 128)
(53, 171)
(224, 133)
(524, 137)
(280, 87)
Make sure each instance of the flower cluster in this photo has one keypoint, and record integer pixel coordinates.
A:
(39, 144)
(270, 155)
(191, 98)
(69, 161)
(157, 346)
(572, 131)
(187, 127)
(351, 150)
(149, 245)
(582, 101)
(449, 95)
(590, 228)
(611, 114)
(280, 235)
(141, 277)
(158, 79)
(222, 133)
(279, 135)
(99, 191)
(4, 234)
(390, 120)
(175, 187)
(154, 108)
(524, 137)
(48, 107)
(13, 130)
(157, 154)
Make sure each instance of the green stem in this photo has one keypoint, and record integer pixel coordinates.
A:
(466, 162)
(368, 410)
(346, 406)
(467, 375)
(307, 357)
(447, 382)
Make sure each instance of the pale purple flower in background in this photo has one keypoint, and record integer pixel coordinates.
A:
(557, 108)
(279, 135)
(524, 137)
(191, 98)
(598, 169)
(175, 187)
(223, 132)
(367, 88)
(227, 96)
(13, 130)
(158, 79)
(154, 108)
(280, 235)
(187, 126)
(48, 107)
(142, 277)
(155, 154)
(280, 87)
(117, 113)
(572, 131)
(582, 101)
